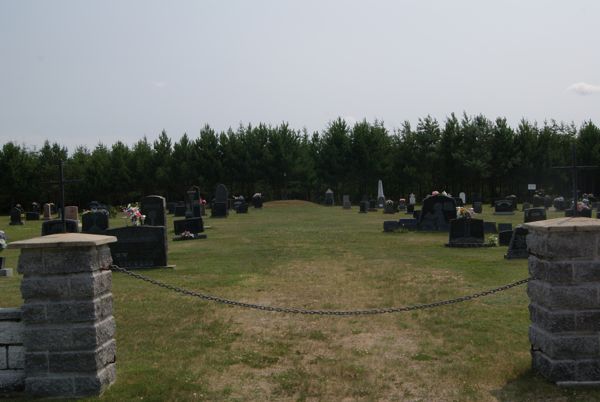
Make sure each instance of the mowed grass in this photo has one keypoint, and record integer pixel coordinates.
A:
(298, 254)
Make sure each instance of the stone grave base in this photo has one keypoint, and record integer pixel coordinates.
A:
(469, 245)
(6, 272)
(193, 237)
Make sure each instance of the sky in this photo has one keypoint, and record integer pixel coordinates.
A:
(83, 72)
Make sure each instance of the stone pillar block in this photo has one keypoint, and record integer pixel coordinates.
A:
(69, 347)
(564, 294)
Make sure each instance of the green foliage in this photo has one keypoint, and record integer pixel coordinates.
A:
(470, 154)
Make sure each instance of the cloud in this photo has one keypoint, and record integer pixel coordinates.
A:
(583, 88)
(159, 84)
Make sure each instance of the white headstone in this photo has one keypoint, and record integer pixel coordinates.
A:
(412, 200)
(463, 197)
(380, 196)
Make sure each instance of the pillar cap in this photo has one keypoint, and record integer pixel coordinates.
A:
(64, 240)
(571, 224)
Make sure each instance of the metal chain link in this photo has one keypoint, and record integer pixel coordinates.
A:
(292, 310)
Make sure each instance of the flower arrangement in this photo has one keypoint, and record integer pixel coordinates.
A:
(463, 213)
(134, 215)
(257, 195)
(581, 206)
(187, 235)
(492, 240)
(435, 192)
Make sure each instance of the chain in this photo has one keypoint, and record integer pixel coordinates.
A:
(292, 310)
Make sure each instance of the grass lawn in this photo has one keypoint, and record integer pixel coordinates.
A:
(298, 254)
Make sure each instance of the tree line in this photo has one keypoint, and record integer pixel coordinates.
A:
(472, 154)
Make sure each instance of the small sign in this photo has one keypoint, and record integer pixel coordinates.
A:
(531, 187)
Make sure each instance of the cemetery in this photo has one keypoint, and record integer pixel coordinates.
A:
(304, 255)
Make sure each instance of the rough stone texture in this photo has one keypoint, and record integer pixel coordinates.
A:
(12, 374)
(68, 328)
(564, 292)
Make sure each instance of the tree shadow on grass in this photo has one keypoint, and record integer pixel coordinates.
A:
(530, 386)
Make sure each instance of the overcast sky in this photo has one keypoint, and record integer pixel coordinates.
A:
(83, 72)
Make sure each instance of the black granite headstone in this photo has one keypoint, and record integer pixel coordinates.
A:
(94, 222)
(437, 212)
(503, 207)
(329, 198)
(535, 214)
(15, 216)
(466, 232)
(171, 207)
(559, 203)
(410, 208)
(364, 207)
(55, 226)
(408, 223)
(192, 225)
(504, 237)
(139, 246)
(257, 201)
(504, 226)
(477, 207)
(179, 210)
(518, 244)
(220, 205)
(489, 227)
(155, 209)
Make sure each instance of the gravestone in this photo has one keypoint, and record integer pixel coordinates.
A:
(489, 227)
(47, 211)
(192, 225)
(220, 205)
(466, 233)
(15, 216)
(72, 212)
(94, 222)
(155, 209)
(547, 201)
(242, 208)
(389, 208)
(408, 223)
(437, 212)
(559, 203)
(538, 201)
(32, 216)
(402, 205)
(329, 197)
(518, 244)
(459, 202)
(372, 205)
(477, 207)
(193, 207)
(526, 205)
(346, 202)
(410, 209)
(257, 200)
(390, 226)
(139, 246)
(504, 237)
(513, 200)
(417, 214)
(55, 226)
(179, 210)
(171, 207)
(380, 195)
(535, 214)
(463, 197)
(503, 207)
(364, 207)
(504, 226)
(412, 199)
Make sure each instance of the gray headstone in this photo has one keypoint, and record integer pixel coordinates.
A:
(15, 216)
(534, 214)
(346, 202)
